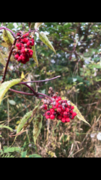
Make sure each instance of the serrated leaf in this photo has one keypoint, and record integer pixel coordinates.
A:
(23, 121)
(34, 55)
(7, 127)
(7, 37)
(5, 86)
(46, 41)
(2, 60)
(37, 25)
(37, 127)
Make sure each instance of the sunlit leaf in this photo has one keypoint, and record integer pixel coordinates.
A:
(5, 86)
(37, 25)
(7, 37)
(7, 127)
(79, 115)
(46, 41)
(34, 55)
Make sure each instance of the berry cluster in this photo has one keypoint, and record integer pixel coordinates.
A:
(23, 45)
(59, 109)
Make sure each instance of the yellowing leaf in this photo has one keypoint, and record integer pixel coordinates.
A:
(4, 44)
(7, 37)
(79, 115)
(37, 25)
(5, 86)
(34, 55)
(22, 75)
(46, 41)
(2, 60)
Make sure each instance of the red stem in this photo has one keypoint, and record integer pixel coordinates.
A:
(41, 80)
(8, 62)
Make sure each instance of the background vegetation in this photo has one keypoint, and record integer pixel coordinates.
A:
(78, 61)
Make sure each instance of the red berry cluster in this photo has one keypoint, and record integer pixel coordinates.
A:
(59, 109)
(23, 46)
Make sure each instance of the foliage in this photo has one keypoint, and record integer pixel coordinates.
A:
(78, 61)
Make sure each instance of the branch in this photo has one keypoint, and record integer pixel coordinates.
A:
(8, 62)
(8, 30)
(41, 80)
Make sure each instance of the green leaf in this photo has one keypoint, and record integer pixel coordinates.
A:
(46, 41)
(34, 55)
(5, 86)
(23, 121)
(11, 149)
(7, 37)
(7, 127)
(34, 155)
(23, 154)
(37, 127)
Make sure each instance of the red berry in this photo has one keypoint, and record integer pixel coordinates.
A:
(25, 35)
(16, 56)
(48, 113)
(59, 109)
(65, 114)
(63, 120)
(51, 110)
(72, 107)
(67, 109)
(47, 117)
(23, 50)
(45, 106)
(74, 114)
(52, 116)
(28, 43)
(59, 117)
(67, 120)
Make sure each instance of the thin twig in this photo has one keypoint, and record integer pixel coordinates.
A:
(41, 80)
